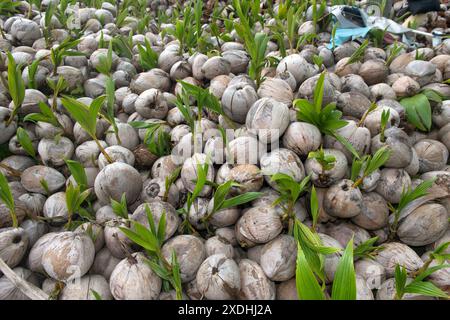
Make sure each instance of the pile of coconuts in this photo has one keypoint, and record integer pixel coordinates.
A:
(243, 252)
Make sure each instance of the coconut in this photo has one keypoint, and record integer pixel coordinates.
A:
(281, 161)
(68, 255)
(33, 178)
(424, 225)
(216, 66)
(117, 179)
(373, 71)
(190, 252)
(219, 278)
(278, 258)
(133, 279)
(302, 137)
(258, 225)
(396, 253)
(277, 89)
(10, 291)
(391, 184)
(432, 155)
(237, 100)
(268, 119)
(374, 213)
(254, 283)
(325, 177)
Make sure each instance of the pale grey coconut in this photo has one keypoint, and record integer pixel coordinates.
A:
(218, 245)
(215, 66)
(127, 134)
(324, 177)
(268, 119)
(133, 279)
(190, 253)
(55, 208)
(32, 179)
(281, 161)
(7, 130)
(302, 137)
(254, 283)
(278, 258)
(54, 151)
(104, 263)
(68, 255)
(278, 89)
(189, 172)
(117, 179)
(258, 225)
(13, 245)
(396, 253)
(10, 291)
(219, 278)
(155, 78)
(84, 288)
(151, 104)
(237, 100)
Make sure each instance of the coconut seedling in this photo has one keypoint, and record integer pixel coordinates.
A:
(151, 239)
(415, 282)
(418, 108)
(64, 49)
(408, 195)
(75, 197)
(8, 199)
(364, 167)
(221, 201)
(156, 138)
(290, 191)
(87, 117)
(310, 277)
(148, 59)
(26, 142)
(255, 45)
(16, 87)
(327, 119)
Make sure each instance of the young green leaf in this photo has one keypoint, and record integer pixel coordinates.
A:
(425, 288)
(359, 53)
(78, 173)
(8, 199)
(314, 203)
(400, 281)
(418, 111)
(344, 284)
(367, 248)
(25, 141)
(16, 86)
(120, 208)
(307, 286)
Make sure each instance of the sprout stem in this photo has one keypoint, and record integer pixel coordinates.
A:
(15, 223)
(103, 151)
(12, 171)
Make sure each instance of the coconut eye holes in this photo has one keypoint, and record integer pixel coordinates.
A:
(17, 239)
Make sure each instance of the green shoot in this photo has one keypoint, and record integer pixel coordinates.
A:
(32, 70)
(63, 50)
(385, 115)
(120, 208)
(326, 161)
(367, 249)
(358, 55)
(418, 111)
(16, 87)
(26, 143)
(57, 87)
(372, 107)
(417, 285)
(74, 199)
(87, 117)
(393, 53)
(344, 283)
(46, 115)
(220, 201)
(327, 119)
(369, 164)
(78, 173)
(8, 199)
(148, 59)
(105, 61)
(290, 191)
(169, 181)
(408, 196)
(152, 239)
